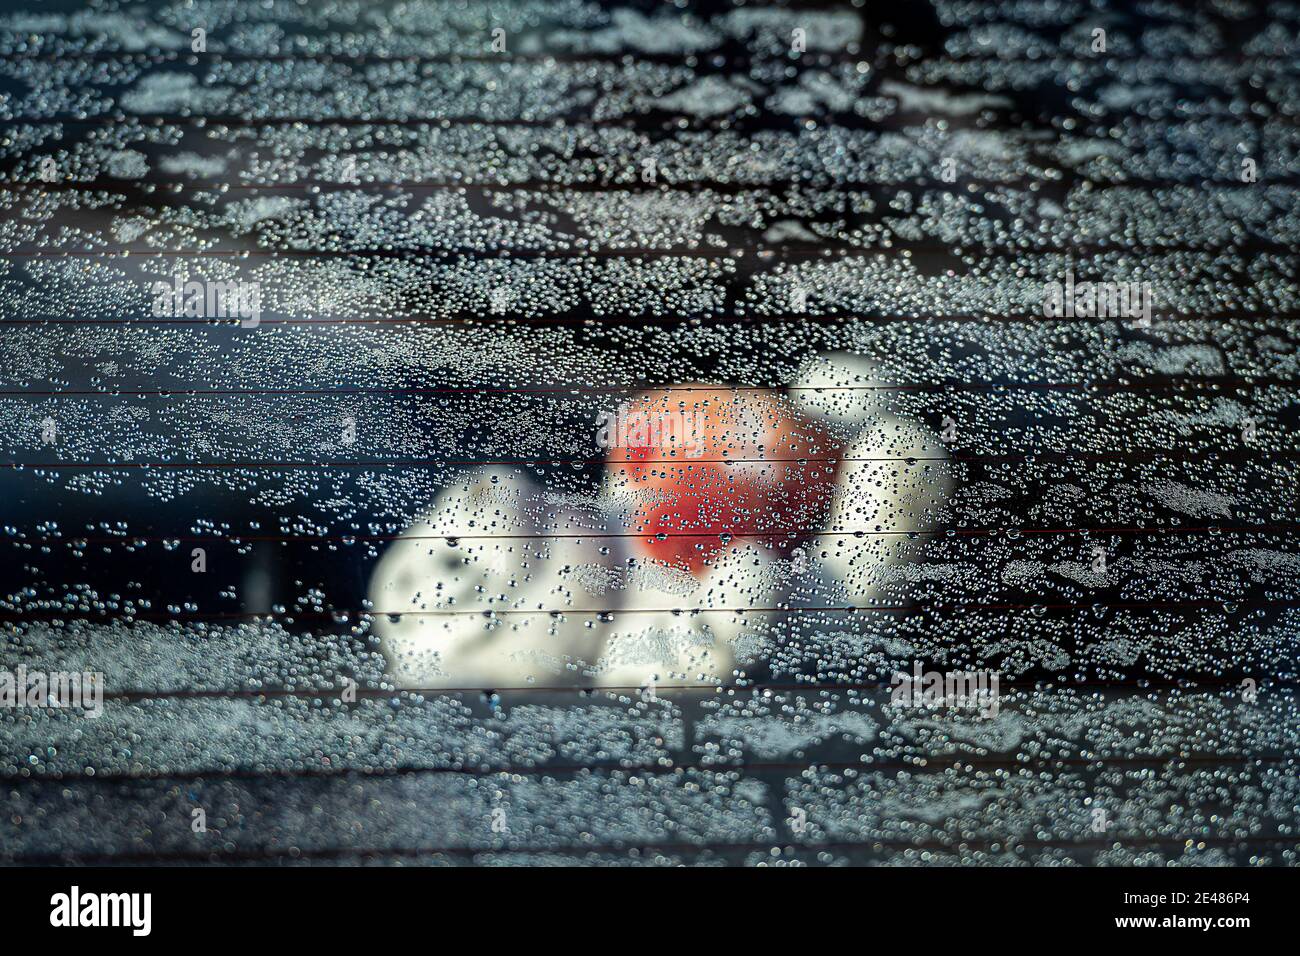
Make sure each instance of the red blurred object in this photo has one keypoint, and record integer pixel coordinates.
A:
(711, 466)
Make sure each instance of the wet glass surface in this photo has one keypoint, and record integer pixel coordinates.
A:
(550, 433)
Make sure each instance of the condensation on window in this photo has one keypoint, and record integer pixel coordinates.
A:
(562, 432)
